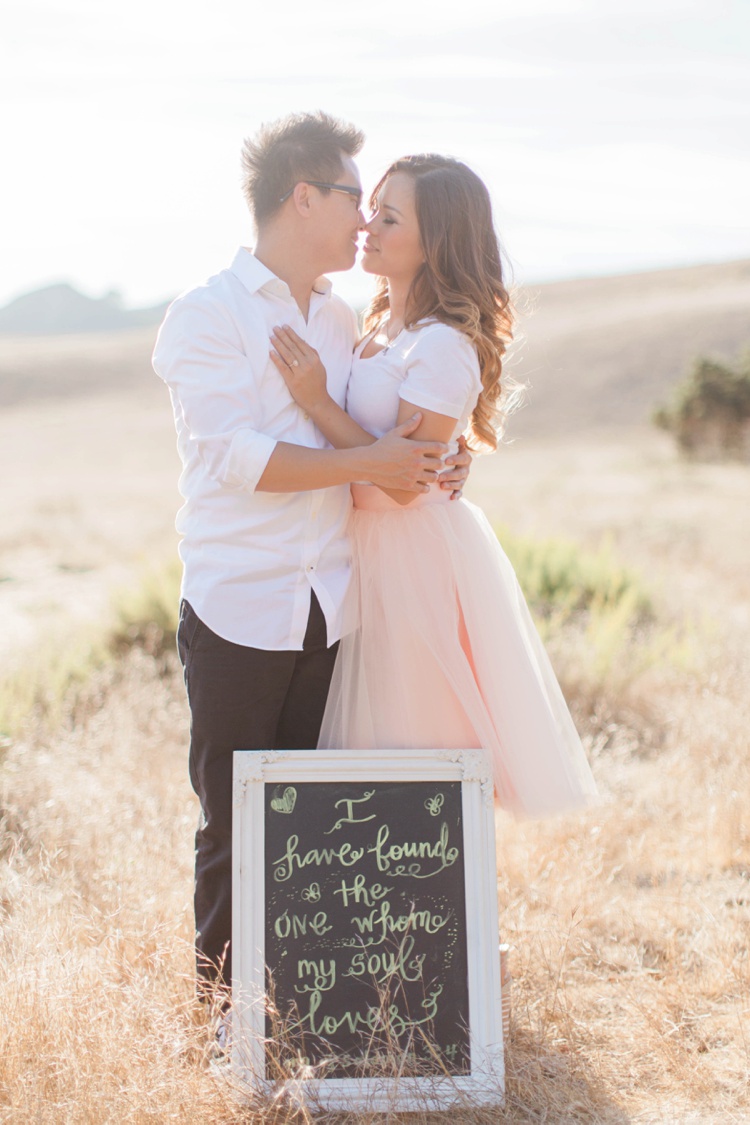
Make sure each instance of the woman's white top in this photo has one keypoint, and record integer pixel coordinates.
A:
(432, 366)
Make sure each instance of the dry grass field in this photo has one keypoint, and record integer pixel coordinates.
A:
(629, 926)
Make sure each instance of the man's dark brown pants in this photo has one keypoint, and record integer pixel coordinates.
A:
(240, 699)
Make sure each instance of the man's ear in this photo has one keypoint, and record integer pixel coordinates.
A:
(302, 199)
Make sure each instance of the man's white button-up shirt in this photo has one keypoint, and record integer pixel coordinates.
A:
(250, 558)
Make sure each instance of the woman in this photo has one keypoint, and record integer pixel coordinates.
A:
(446, 654)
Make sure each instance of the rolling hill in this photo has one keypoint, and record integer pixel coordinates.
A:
(61, 310)
(601, 352)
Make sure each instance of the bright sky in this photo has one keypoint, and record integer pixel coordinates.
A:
(614, 134)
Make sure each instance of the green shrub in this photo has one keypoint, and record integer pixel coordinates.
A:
(147, 614)
(43, 684)
(558, 578)
(47, 683)
(709, 415)
(561, 579)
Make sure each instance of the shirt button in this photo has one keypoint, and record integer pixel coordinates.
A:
(311, 567)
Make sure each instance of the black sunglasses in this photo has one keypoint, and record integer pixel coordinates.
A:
(353, 191)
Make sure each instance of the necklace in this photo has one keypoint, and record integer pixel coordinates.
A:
(390, 340)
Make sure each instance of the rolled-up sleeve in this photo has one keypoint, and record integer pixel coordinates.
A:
(214, 386)
(246, 457)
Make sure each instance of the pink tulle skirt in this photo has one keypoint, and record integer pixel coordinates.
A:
(442, 653)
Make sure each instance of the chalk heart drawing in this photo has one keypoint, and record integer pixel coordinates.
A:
(285, 802)
(435, 804)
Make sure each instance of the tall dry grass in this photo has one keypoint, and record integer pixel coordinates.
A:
(628, 925)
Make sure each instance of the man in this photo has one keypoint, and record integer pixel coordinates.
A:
(266, 559)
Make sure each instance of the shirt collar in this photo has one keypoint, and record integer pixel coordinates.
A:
(254, 276)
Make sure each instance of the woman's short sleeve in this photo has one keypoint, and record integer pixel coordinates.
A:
(442, 372)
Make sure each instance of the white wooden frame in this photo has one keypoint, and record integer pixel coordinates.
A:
(254, 769)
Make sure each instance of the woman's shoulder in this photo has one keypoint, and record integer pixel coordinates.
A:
(439, 346)
(436, 336)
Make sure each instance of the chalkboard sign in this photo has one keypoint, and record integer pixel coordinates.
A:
(365, 927)
(366, 924)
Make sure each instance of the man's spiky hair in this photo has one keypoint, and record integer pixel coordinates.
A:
(302, 146)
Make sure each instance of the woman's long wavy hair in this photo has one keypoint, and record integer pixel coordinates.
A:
(461, 280)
